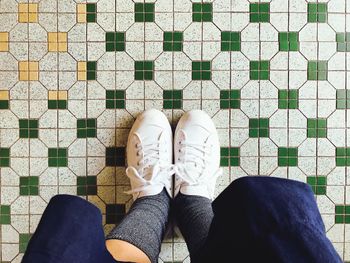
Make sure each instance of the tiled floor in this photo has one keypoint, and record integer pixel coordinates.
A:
(74, 74)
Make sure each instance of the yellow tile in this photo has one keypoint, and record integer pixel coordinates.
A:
(57, 41)
(81, 18)
(81, 8)
(33, 8)
(33, 18)
(4, 95)
(23, 66)
(4, 36)
(81, 13)
(23, 17)
(33, 66)
(23, 75)
(53, 47)
(23, 8)
(4, 46)
(63, 95)
(81, 75)
(28, 70)
(34, 75)
(52, 37)
(62, 47)
(53, 95)
(62, 37)
(82, 66)
(27, 13)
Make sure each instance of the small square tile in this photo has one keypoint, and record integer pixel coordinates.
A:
(28, 70)
(27, 13)
(58, 157)
(115, 156)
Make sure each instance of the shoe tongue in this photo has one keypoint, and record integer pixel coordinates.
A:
(195, 134)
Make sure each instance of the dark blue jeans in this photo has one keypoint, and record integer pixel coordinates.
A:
(256, 219)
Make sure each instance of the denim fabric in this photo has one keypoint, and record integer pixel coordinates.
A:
(256, 219)
(70, 230)
(267, 219)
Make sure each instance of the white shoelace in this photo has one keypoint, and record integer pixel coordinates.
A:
(154, 170)
(195, 174)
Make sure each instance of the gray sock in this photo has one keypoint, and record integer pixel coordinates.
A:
(145, 223)
(193, 215)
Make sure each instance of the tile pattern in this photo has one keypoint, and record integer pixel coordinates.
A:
(74, 74)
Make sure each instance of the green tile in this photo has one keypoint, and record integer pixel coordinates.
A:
(115, 156)
(288, 99)
(23, 242)
(115, 41)
(115, 213)
(201, 70)
(115, 99)
(343, 97)
(91, 8)
(4, 104)
(318, 184)
(144, 70)
(317, 70)
(91, 12)
(230, 41)
(339, 219)
(343, 42)
(288, 41)
(316, 128)
(5, 215)
(58, 157)
(149, 7)
(230, 156)
(202, 12)
(287, 156)
(340, 209)
(110, 37)
(317, 12)
(258, 127)
(91, 70)
(91, 18)
(57, 104)
(173, 41)
(86, 185)
(172, 99)
(91, 65)
(342, 156)
(28, 128)
(86, 128)
(4, 157)
(230, 99)
(29, 185)
(259, 12)
(259, 70)
(144, 12)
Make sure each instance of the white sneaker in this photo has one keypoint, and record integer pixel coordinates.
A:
(197, 155)
(149, 154)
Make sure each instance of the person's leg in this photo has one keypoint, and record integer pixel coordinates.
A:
(149, 155)
(143, 228)
(197, 159)
(194, 215)
(267, 219)
(70, 230)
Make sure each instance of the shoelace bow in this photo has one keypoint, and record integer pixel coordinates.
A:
(159, 173)
(195, 153)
